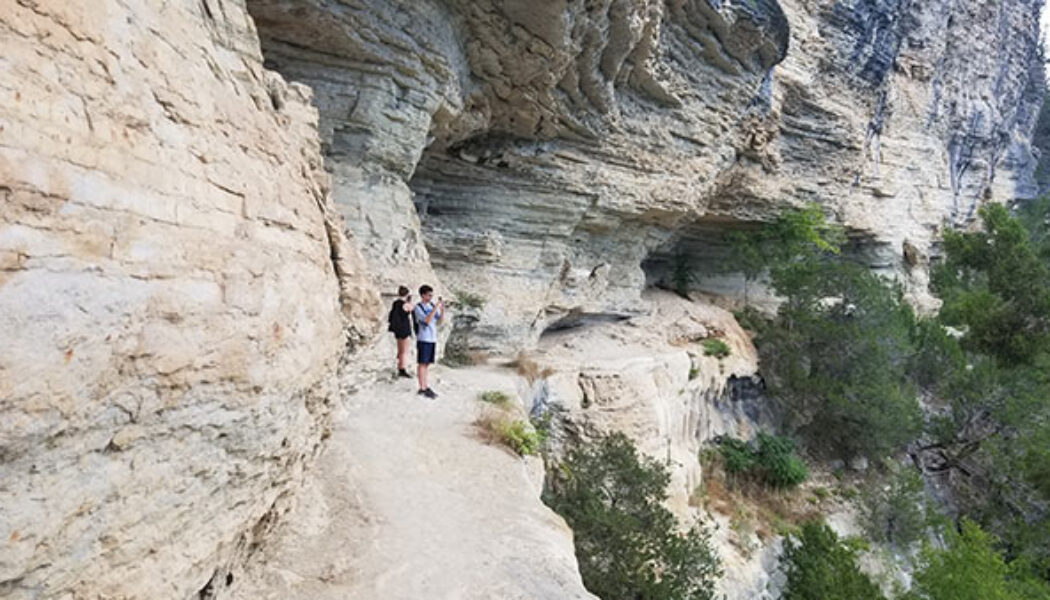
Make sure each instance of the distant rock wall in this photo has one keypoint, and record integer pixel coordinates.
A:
(170, 279)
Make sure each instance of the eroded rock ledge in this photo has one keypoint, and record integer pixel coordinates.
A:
(559, 155)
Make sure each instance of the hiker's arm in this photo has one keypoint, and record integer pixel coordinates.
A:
(430, 317)
(408, 307)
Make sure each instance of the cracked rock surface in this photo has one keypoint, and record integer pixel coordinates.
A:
(170, 281)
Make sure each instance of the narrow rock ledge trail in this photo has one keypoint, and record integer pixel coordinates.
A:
(408, 502)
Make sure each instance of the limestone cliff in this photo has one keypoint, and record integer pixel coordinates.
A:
(559, 155)
(198, 200)
(170, 316)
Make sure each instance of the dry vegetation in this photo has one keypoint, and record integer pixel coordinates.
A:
(529, 368)
(755, 508)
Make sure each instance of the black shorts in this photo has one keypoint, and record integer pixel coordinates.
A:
(425, 352)
(401, 335)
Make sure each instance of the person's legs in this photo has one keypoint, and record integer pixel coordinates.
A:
(424, 364)
(421, 374)
(425, 355)
(402, 353)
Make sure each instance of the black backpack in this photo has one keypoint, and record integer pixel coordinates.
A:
(394, 308)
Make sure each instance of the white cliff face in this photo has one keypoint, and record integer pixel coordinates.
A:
(170, 278)
(190, 246)
(650, 378)
(561, 156)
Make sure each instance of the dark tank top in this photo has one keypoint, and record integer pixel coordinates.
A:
(400, 324)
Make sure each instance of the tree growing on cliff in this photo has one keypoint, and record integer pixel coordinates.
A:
(995, 439)
(969, 567)
(628, 545)
(836, 358)
(820, 566)
(996, 286)
(796, 233)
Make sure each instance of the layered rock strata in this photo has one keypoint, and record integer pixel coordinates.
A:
(171, 274)
(560, 157)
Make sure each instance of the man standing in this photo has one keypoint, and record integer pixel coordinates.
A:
(428, 315)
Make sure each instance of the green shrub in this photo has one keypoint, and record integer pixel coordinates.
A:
(796, 232)
(716, 347)
(738, 456)
(773, 463)
(693, 373)
(628, 544)
(820, 566)
(470, 299)
(779, 465)
(521, 437)
(996, 284)
(495, 397)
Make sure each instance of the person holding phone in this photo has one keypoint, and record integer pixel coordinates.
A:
(427, 315)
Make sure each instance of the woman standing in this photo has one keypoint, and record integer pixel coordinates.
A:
(400, 324)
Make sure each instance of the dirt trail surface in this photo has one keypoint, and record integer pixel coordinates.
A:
(407, 502)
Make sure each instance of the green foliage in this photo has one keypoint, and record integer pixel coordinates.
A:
(837, 358)
(893, 508)
(969, 568)
(819, 566)
(938, 355)
(495, 397)
(693, 373)
(521, 437)
(750, 318)
(995, 379)
(469, 299)
(773, 463)
(738, 456)
(797, 232)
(716, 347)
(682, 276)
(779, 465)
(995, 284)
(628, 545)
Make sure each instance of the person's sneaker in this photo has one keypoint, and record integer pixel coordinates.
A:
(429, 393)
(403, 373)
